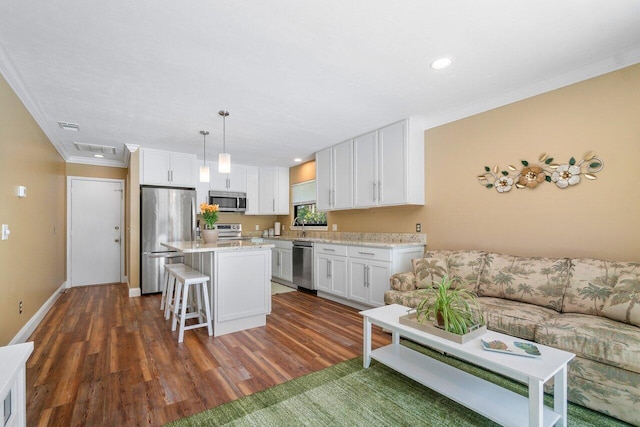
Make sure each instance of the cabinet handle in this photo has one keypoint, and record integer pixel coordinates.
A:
(334, 197)
(374, 191)
(379, 191)
(171, 176)
(228, 183)
(168, 176)
(330, 198)
(274, 205)
(367, 253)
(329, 268)
(328, 250)
(366, 275)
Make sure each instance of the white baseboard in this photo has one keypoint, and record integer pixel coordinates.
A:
(133, 292)
(33, 323)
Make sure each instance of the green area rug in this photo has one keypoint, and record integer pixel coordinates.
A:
(349, 395)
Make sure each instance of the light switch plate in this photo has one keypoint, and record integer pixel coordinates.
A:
(22, 191)
(5, 231)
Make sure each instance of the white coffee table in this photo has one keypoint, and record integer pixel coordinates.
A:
(492, 401)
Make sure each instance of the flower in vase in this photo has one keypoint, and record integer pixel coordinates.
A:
(209, 214)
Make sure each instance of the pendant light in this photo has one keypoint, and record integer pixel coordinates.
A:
(224, 158)
(204, 169)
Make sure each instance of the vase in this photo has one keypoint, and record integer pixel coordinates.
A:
(209, 236)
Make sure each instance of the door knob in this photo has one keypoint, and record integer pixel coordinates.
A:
(117, 227)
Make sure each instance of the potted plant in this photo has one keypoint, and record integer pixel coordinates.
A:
(455, 310)
(210, 215)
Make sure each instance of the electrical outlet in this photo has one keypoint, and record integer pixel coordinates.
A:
(20, 307)
(257, 227)
(418, 228)
(334, 227)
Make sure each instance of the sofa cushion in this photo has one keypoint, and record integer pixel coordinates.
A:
(463, 265)
(592, 337)
(403, 282)
(512, 317)
(428, 271)
(591, 283)
(538, 281)
(623, 304)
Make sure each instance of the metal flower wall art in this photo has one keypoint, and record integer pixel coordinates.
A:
(563, 175)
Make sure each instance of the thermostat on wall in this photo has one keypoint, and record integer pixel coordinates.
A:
(22, 191)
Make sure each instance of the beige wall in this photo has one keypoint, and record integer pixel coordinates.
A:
(33, 259)
(133, 221)
(595, 218)
(89, 171)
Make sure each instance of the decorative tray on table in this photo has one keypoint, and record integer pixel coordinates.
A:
(517, 348)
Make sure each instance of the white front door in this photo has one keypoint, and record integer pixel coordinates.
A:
(95, 230)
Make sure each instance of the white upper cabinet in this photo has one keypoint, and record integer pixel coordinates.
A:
(235, 181)
(334, 177)
(384, 167)
(273, 188)
(253, 190)
(365, 170)
(389, 166)
(267, 190)
(167, 168)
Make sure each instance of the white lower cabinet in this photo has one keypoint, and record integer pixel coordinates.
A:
(359, 275)
(330, 266)
(282, 260)
(368, 281)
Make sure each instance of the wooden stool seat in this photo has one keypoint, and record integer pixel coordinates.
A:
(186, 278)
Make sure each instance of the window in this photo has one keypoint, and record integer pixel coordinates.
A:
(309, 215)
(304, 205)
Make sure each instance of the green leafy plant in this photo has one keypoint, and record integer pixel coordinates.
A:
(455, 310)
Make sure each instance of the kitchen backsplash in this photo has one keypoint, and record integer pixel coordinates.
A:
(419, 238)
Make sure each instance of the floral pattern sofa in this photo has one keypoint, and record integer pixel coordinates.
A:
(586, 306)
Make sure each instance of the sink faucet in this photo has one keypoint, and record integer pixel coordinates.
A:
(302, 221)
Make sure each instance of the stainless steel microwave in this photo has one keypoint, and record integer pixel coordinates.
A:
(228, 201)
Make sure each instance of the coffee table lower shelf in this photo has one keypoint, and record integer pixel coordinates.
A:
(492, 401)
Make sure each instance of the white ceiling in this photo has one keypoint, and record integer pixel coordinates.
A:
(296, 76)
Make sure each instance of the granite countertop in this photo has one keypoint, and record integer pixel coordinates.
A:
(189, 247)
(369, 243)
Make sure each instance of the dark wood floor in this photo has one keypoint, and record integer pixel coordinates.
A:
(104, 359)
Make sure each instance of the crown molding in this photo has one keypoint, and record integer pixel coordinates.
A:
(94, 161)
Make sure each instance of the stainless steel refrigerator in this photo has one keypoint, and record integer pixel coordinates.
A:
(166, 215)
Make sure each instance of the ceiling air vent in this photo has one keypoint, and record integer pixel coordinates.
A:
(69, 126)
(95, 149)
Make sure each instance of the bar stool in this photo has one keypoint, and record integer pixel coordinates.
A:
(168, 285)
(185, 279)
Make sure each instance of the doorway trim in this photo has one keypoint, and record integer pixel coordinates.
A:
(122, 219)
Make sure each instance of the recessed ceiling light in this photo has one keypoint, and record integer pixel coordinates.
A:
(98, 155)
(441, 64)
(297, 159)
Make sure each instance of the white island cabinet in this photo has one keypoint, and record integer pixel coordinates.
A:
(239, 281)
(13, 394)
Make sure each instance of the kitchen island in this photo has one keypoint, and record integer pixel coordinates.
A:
(240, 281)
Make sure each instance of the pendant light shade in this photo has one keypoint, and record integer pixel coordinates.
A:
(224, 158)
(204, 169)
(224, 163)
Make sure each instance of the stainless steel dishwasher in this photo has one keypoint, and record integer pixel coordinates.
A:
(303, 265)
